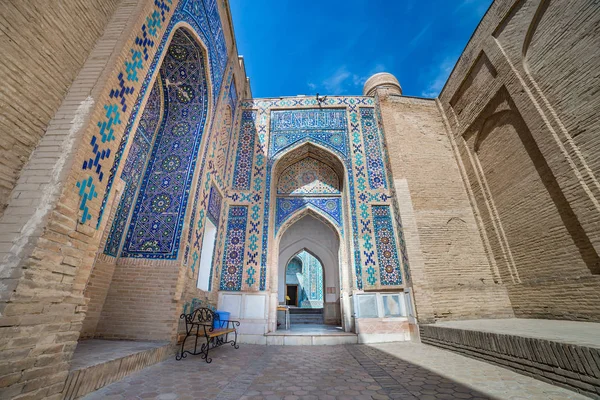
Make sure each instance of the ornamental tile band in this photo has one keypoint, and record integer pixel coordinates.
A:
(155, 228)
(204, 18)
(233, 258)
(308, 176)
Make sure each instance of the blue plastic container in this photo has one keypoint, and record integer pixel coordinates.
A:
(221, 320)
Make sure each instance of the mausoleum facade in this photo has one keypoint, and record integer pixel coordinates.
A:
(148, 181)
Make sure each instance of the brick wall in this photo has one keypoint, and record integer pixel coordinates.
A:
(46, 255)
(451, 274)
(520, 105)
(44, 46)
(141, 302)
(52, 271)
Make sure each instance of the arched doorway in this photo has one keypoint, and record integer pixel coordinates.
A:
(310, 208)
(304, 282)
(312, 234)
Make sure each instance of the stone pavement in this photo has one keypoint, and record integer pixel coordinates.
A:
(383, 371)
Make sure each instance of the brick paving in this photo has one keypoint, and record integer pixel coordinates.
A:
(383, 371)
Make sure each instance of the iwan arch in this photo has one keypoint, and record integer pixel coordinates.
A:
(148, 181)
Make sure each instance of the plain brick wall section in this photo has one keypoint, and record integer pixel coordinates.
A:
(451, 274)
(521, 105)
(44, 46)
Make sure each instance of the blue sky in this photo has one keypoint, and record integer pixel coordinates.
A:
(293, 47)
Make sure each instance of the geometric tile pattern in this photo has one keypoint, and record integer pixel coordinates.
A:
(233, 258)
(158, 216)
(121, 99)
(385, 241)
(203, 17)
(214, 205)
(219, 146)
(324, 126)
(245, 152)
(134, 166)
(308, 176)
(279, 126)
(362, 151)
(315, 279)
(375, 167)
(330, 207)
(212, 175)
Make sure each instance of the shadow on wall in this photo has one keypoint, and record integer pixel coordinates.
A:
(504, 124)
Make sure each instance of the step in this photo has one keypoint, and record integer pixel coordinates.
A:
(310, 340)
(306, 320)
(567, 360)
(305, 311)
(97, 363)
(311, 335)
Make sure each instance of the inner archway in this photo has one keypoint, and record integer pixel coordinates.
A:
(316, 237)
(304, 282)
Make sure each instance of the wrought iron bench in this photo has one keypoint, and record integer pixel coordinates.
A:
(200, 325)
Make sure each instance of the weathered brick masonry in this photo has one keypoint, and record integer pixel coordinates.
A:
(450, 271)
(46, 254)
(521, 106)
(44, 46)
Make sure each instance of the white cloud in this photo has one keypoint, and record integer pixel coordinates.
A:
(336, 83)
(417, 38)
(342, 81)
(439, 76)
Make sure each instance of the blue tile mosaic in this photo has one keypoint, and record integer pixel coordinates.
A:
(134, 166)
(331, 207)
(323, 126)
(158, 215)
(200, 15)
(214, 205)
(233, 258)
(373, 149)
(242, 173)
(385, 241)
(306, 271)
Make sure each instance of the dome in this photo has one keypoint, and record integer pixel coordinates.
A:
(382, 80)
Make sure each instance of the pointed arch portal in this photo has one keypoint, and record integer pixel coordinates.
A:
(309, 188)
(316, 237)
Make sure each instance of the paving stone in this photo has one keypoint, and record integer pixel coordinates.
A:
(354, 372)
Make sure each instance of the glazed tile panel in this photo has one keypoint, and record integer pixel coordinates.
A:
(310, 177)
(385, 240)
(233, 258)
(210, 186)
(214, 205)
(348, 127)
(330, 207)
(157, 218)
(373, 150)
(323, 126)
(134, 166)
(203, 17)
(245, 151)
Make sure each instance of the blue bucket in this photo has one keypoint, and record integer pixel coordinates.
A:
(221, 319)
